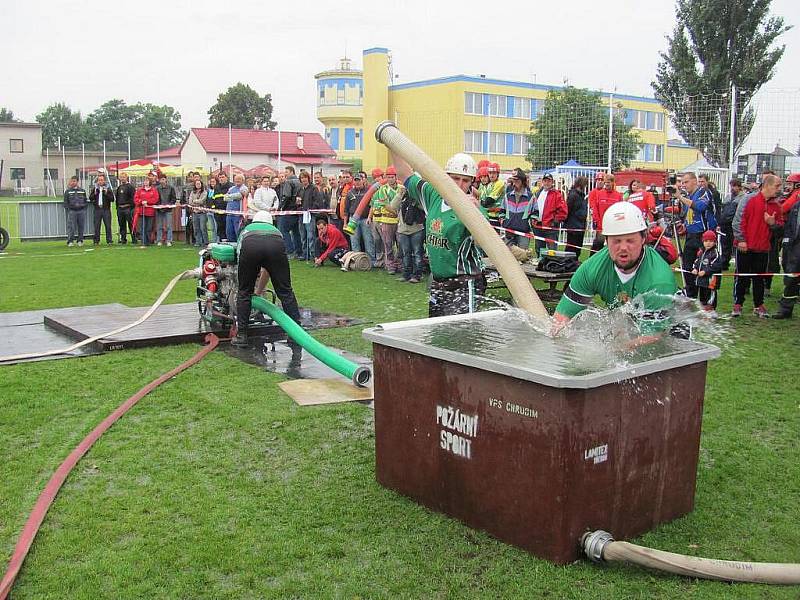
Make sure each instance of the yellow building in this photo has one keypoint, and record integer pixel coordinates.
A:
(487, 118)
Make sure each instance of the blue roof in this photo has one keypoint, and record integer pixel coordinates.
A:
(376, 50)
(521, 84)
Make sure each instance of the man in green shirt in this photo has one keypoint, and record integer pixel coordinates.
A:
(261, 251)
(455, 260)
(626, 268)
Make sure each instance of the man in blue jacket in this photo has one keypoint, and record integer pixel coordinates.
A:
(699, 219)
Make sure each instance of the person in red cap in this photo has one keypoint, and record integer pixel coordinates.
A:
(706, 269)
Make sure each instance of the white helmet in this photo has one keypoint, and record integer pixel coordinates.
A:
(461, 164)
(262, 216)
(622, 218)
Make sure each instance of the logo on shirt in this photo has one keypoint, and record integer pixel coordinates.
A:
(436, 226)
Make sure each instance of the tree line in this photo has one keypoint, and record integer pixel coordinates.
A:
(145, 124)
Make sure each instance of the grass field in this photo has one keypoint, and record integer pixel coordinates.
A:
(218, 486)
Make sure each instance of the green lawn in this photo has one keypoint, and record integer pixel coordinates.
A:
(218, 486)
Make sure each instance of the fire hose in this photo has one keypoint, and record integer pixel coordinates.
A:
(360, 375)
(600, 546)
(350, 228)
(48, 495)
(519, 286)
(190, 274)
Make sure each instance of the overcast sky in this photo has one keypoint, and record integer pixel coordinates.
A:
(184, 53)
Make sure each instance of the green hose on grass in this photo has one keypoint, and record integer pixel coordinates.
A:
(359, 375)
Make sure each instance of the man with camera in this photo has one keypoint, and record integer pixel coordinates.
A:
(699, 219)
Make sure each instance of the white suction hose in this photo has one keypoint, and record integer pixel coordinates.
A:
(190, 274)
(600, 546)
(518, 284)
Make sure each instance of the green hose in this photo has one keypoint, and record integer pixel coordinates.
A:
(360, 375)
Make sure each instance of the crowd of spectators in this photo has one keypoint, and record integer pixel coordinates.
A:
(314, 211)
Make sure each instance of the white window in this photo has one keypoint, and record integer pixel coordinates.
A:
(16, 145)
(497, 143)
(473, 141)
(498, 105)
(522, 108)
(473, 103)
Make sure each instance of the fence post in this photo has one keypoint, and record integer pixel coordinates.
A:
(610, 130)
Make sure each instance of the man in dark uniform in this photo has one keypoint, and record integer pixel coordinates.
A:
(125, 194)
(260, 248)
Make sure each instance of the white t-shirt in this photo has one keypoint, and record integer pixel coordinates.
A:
(540, 203)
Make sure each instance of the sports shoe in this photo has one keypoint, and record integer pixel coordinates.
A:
(70, 244)
(761, 312)
(413, 280)
(737, 310)
(169, 243)
(240, 340)
(159, 244)
(782, 315)
(80, 243)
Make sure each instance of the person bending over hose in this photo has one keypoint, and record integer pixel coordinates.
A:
(456, 265)
(626, 268)
(262, 256)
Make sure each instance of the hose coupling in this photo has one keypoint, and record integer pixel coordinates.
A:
(381, 127)
(362, 376)
(593, 544)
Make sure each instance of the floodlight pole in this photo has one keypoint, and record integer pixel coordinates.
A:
(732, 134)
(129, 151)
(230, 152)
(83, 164)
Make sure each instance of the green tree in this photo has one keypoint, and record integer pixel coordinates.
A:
(114, 121)
(7, 116)
(717, 43)
(573, 125)
(60, 122)
(242, 107)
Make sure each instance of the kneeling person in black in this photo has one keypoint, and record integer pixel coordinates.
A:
(261, 248)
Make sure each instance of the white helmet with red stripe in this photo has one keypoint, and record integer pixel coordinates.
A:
(622, 218)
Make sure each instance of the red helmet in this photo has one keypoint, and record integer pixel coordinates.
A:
(483, 163)
(793, 178)
(390, 170)
(709, 236)
(377, 173)
(483, 172)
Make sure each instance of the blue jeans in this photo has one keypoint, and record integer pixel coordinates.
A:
(200, 232)
(289, 226)
(164, 223)
(211, 218)
(232, 225)
(364, 233)
(411, 246)
(308, 239)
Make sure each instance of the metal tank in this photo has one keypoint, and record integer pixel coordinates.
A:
(535, 440)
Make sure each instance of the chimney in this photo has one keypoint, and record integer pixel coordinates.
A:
(299, 141)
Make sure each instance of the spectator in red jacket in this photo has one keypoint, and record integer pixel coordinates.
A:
(144, 200)
(548, 212)
(331, 244)
(643, 200)
(753, 235)
(599, 201)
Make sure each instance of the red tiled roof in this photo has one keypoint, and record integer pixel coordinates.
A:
(166, 153)
(253, 141)
(302, 159)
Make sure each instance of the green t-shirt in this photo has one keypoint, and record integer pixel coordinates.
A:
(255, 229)
(451, 249)
(597, 276)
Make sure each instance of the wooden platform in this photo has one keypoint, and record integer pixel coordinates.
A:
(171, 324)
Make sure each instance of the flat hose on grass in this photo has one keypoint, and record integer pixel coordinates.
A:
(519, 286)
(190, 274)
(600, 546)
(48, 495)
(359, 375)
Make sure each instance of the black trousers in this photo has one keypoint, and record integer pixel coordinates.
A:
(455, 295)
(694, 242)
(125, 222)
(750, 262)
(773, 262)
(102, 215)
(791, 285)
(268, 252)
(707, 297)
(575, 238)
